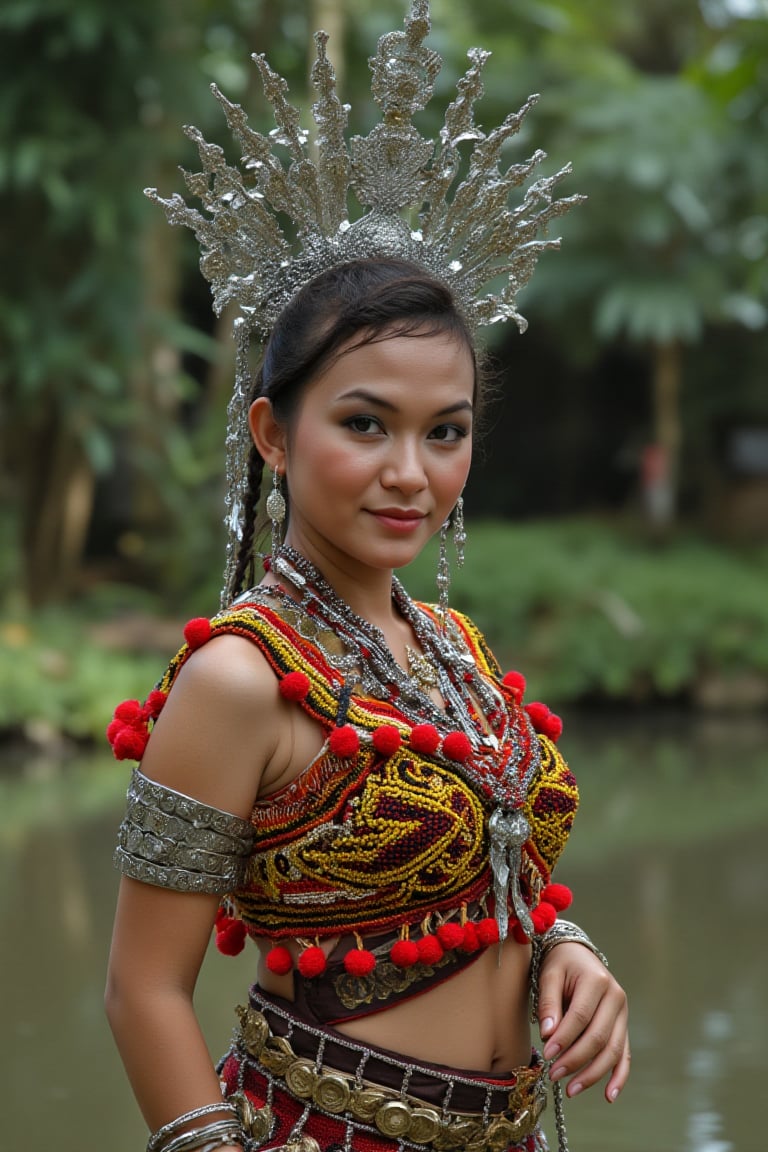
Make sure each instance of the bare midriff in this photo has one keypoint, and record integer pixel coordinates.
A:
(477, 1019)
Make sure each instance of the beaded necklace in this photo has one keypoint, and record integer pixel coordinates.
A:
(471, 703)
(503, 762)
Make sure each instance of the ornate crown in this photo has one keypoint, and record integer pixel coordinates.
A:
(401, 180)
(280, 220)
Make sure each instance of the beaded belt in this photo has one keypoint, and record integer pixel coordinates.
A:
(292, 1054)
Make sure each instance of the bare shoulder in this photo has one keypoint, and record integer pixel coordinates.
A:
(218, 729)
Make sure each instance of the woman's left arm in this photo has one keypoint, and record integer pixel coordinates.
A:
(582, 1015)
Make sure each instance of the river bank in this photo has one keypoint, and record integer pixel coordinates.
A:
(592, 614)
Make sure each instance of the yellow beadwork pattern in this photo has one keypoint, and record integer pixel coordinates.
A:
(373, 841)
(414, 834)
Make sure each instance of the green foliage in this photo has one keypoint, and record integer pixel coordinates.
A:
(584, 611)
(660, 106)
(57, 675)
(587, 612)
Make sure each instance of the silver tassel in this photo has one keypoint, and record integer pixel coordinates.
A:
(508, 831)
(238, 444)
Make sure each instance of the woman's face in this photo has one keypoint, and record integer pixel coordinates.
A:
(378, 452)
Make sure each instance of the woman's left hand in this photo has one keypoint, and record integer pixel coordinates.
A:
(583, 1020)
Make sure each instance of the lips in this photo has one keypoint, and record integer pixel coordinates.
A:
(399, 513)
(399, 519)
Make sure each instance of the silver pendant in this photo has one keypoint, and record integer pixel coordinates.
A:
(509, 832)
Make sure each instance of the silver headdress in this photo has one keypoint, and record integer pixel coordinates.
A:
(466, 236)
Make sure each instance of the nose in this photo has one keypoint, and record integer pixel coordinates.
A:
(404, 468)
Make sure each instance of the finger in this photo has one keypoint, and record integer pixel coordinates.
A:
(550, 1007)
(600, 1050)
(554, 996)
(585, 1001)
(620, 1075)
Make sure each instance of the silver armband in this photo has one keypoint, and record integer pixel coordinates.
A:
(561, 932)
(174, 841)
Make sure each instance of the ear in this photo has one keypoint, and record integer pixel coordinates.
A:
(268, 435)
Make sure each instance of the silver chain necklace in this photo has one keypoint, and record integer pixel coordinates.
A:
(471, 704)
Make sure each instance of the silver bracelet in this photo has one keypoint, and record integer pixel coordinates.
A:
(218, 1133)
(561, 932)
(159, 1137)
(174, 841)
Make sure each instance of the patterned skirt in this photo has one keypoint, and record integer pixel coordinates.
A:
(312, 1089)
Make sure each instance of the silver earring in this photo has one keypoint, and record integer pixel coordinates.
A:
(276, 511)
(459, 535)
(455, 521)
(443, 574)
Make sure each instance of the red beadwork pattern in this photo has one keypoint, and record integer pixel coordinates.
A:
(387, 823)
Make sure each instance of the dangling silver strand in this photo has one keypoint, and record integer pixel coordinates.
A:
(456, 522)
(276, 512)
(459, 534)
(443, 575)
(238, 443)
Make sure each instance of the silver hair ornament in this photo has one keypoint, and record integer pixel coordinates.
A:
(467, 234)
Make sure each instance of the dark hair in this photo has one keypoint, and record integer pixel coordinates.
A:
(372, 299)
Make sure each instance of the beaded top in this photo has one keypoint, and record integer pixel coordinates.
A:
(390, 828)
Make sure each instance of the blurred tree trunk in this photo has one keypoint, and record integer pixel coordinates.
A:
(58, 490)
(154, 382)
(329, 15)
(667, 386)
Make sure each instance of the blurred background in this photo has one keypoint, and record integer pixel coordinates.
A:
(617, 514)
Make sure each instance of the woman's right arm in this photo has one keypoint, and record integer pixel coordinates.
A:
(216, 736)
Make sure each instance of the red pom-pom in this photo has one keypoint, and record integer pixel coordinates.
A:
(279, 960)
(537, 713)
(295, 686)
(221, 915)
(450, 935)
(344, 741)
(113, 728)
(543, 917)
(230, 937)
(424, 738)
(404, 953)
(457, 746)
(129, 744)
(488, 932)
(155, 703)
(471, 941)
(386, 739)
(553, 727)
(359, 962)
(129, 712)
(312, 961)
(430, 950)
(544, 721)
(518, 933)
(197, 631)
(558, 895)
(515, 681)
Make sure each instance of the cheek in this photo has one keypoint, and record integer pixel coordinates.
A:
(328, 463)
(453, 475)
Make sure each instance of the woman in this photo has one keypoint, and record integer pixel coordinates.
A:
(352, 774)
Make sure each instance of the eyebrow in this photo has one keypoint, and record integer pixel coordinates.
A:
(378, 401)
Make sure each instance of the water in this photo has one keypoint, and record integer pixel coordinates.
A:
(668, 862)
